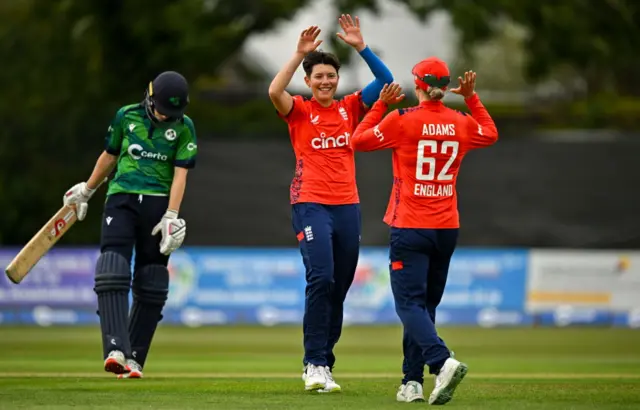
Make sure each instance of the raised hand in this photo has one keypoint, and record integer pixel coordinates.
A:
(352, 34)
(308, 40)
(467, 85)
(390, 94)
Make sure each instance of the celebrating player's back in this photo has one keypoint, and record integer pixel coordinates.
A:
(428, 142)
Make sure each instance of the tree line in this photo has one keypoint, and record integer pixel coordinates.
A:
(67, 65)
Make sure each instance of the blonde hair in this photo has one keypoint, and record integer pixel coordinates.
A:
(435, 93)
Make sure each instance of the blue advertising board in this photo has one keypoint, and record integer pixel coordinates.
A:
(266, 286)
(217, 286)
(64, 277)
(486, 287)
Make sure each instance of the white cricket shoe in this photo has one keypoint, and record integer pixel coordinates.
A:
(331, 386)
(447, 380)
(115, 362)
(315, 377)
(134, 371)
(410, 392)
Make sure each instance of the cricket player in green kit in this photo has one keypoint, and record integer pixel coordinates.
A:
(152, 145)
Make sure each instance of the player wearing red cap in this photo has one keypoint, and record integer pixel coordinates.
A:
(324, 196)
(429, 142)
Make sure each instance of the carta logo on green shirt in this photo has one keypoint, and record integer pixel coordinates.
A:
(136, 152)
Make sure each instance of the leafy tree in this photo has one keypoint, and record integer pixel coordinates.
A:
(68, 64)
(596, 40)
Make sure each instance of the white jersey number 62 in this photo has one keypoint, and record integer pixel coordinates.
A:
(424, 161)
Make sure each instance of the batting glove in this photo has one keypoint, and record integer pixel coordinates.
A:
(173, 231)
(78, 196)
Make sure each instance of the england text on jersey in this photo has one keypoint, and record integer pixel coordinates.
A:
(429, 142)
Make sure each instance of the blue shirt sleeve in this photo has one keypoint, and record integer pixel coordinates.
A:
(382, 74)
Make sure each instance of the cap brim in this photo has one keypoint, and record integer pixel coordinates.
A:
(172, 112)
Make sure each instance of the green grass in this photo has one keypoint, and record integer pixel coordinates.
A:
(259, 368)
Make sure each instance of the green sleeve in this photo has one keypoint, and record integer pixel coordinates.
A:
(113, 140)
(187, 150)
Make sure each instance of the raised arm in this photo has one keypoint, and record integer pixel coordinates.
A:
(281, 99)
(353, 36)
(482, 130)
(373, 135)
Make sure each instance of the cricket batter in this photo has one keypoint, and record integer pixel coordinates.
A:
(428, 144)
(323, 193)
(152, 145)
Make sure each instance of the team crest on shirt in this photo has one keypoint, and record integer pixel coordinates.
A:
(343, 113)
(170, 134)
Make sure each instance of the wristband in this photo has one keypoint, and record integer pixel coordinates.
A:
(86, 191)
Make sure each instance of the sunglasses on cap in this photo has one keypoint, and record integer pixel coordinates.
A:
(433, 81)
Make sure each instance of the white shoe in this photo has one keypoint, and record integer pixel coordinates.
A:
(115, 362)
(315, 377)
(410, 392)
(447, 380)
(331, 386)
(134, 370)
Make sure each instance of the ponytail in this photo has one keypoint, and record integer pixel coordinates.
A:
(435, 93)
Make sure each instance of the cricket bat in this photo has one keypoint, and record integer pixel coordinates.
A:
(41, 243)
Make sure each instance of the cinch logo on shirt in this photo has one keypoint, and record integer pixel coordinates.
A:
(136, 152)
(324, 142)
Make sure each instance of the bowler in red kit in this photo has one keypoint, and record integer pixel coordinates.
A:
(428, 143)
(323, 194)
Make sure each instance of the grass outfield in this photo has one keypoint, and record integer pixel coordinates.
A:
(259, 368)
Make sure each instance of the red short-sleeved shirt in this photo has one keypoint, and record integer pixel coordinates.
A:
(325, 163)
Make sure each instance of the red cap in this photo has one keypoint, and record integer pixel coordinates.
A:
(431, 72)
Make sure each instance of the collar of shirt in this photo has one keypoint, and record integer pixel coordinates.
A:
(432, 104)
(322, 107)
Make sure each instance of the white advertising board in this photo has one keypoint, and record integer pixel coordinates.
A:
(589, 279)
